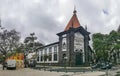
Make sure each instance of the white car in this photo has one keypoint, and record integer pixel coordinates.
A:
(11, 64)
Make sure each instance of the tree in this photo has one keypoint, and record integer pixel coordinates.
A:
(31, 45)
(114, 40)
(99, 45)
(30, 42)
(9, 40)
(107, 46)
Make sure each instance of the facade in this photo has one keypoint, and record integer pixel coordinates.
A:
(72, 49)
(49, 54)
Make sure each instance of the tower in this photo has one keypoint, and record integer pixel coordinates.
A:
(74, 43)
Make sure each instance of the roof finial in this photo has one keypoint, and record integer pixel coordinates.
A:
(74, 10)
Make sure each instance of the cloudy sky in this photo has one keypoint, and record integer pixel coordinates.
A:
(48, 17)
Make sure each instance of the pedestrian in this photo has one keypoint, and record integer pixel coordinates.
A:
(4, 65)
(34, 63)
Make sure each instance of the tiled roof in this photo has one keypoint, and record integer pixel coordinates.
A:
(73, 23)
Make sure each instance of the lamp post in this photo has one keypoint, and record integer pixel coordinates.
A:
(4, 65)
(65, 67)
(33, 38)
(25, 59)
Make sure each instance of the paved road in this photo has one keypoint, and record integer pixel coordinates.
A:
(28, 72)
(32, 72)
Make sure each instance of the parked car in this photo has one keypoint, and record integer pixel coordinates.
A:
(102, 65)
(106, 66)
(95, 66)
(11, 64)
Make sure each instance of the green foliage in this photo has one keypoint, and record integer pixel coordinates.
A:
(18, 50)
(1, 58)
(9, 40)
(9, 54)
(31, 43)
(105, 43)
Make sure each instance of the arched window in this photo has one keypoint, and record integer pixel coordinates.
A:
(64, 45)
(63, 56)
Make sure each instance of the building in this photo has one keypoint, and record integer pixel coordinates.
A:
(49, 54)
(72, 49)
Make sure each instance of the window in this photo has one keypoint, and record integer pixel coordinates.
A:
(50, 54)
(45, 52)
(55, 53)
(55, 48)
(38, 58)
(45, 57)
(63, 56)
(55, 57)
(50, 57)
(50, 50)
(64, 44)
(41, 58)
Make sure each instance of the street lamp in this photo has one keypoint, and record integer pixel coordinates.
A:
(32, 41)
(4, 65)
(65, 67)
(25, 59)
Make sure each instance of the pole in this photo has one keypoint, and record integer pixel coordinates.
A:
(4, 64)
(65, 67)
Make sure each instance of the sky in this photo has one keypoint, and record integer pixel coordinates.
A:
(46, 18)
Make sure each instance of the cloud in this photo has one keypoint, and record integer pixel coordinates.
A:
(91, 13)
(48, 17)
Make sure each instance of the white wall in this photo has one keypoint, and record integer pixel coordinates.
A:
(52, 61)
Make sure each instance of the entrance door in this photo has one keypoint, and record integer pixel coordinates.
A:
(79, 59)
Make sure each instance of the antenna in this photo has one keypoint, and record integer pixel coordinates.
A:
(74, 9)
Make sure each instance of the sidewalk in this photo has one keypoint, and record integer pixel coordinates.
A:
(48, 73)
(87, 73)
(90, 74)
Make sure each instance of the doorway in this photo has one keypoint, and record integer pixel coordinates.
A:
(79, 59)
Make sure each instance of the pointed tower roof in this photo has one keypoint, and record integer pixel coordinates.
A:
(73, 23)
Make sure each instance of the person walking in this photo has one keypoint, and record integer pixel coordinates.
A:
(4, 65)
